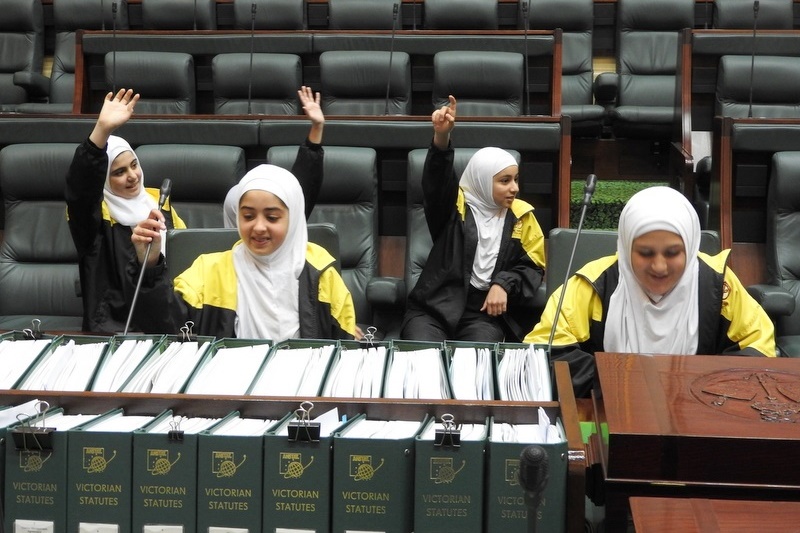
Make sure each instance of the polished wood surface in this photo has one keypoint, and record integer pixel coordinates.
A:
(685, 515)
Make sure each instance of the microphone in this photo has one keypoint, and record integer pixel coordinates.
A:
(253, 8)
(588, 191)
(395, 9)
(753, 58)
(194, 16)
(532, 475)
(527, 96)
(414, 15)
(163, 194)
(102, 16)
(114, 47)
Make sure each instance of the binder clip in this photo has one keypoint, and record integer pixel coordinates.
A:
(303, 429)
(28, 435)
(175, 434)
(34, 332)
(187, 334)
(369, 336)
(449, 434)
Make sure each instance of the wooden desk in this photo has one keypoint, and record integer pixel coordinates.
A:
(697, 426)
(684, 515)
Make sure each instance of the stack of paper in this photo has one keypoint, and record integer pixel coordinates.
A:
(524, 375)
(542, 433)
(15, 358)
(189, 425)
(120, 363)
(328, 422)
(356, 373)
(381, 429)
(120, 423)
(294, 372)
(244, 427)
(68, 367)
(167, 371)
(229, 371)
(471, 373)
(9, 415)
(467, 432)
(418, 374)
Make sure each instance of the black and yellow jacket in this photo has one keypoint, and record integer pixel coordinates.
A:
(441, 290)
(206, 294)
(731, 321)
(104, 247)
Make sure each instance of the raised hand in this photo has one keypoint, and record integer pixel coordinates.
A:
(444, 120)
(311, 107)
(116, 110)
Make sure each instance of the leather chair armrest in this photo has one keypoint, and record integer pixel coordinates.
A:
(775, 300)
(35, 84)
(606, 85)
(386, 292)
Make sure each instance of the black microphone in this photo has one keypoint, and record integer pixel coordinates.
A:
(527, 96)
(588, 191)
(163, 194)
(395, 9)
(252, 47)
(753, 58)
(114, 48)
(532, 473)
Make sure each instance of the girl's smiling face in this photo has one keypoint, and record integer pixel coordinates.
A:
(263, 221)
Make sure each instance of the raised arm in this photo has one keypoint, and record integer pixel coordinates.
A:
(116, 110)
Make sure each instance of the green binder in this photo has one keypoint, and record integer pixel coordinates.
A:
(373, 482)
(229, 478)
(505, 499)
(448, 480)
(164, 478)
(412, 346)
(99, 465)
(218, 345)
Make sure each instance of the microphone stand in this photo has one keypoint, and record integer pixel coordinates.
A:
(527, 96)
(395, 9)
(753, 59)
(102, 16)
(253, 7)
(588, 191)
(114, 48)
(194, 16)
(166, 186)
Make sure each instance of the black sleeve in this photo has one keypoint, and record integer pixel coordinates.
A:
(439, 188)
(158, 309)
(308, 169)
(84, 194)
(582, 368)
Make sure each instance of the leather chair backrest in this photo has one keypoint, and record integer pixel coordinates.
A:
(38, 261)
(783, 233)
(179, 14)
(460, 15)
(418, 238)
(774, 83)
(360, 15)
(166, 80)
(739, 14)
(647, 48)
(270, 14)
(21, 45)
(272, 91)
(594, 244)
(485, 83)
(201, 177)
(354, 82)
(348, 199)
(186, 245)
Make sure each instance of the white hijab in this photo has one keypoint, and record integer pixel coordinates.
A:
(268, 285)
(230, 208)
(127, 211)
(635, 324)
(477, 184)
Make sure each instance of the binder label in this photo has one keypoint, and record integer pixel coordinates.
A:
(94, 459)
(223, 464)
(158, 462)
(291, 465)
(32, 460)
(442, 470)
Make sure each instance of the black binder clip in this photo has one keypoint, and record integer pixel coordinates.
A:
(34, 332)
(187, 333)
(175, 434)
(303, 429)
(369, 336)
(29, 435)
(449, 434)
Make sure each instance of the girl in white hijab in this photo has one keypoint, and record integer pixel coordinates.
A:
(641, 321)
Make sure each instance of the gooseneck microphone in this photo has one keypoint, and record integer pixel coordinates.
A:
(114, 48)
(588, 191)
(753, 59)
(194, 16)
(102, 16)
(163, 194)
(253, 8)
(527, 96)
(395, 10)
(533, 473)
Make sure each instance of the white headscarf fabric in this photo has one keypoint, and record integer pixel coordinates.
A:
(127, 211)
(230, 208)
(268, 285)
(477, 184)
(634, 323)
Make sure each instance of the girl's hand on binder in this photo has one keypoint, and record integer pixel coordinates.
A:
(148, 231)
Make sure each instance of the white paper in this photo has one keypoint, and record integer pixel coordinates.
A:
(16, 357)
(213, 529)
(229, 371)
(87, 527)
(33, 526)
(160, 528)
